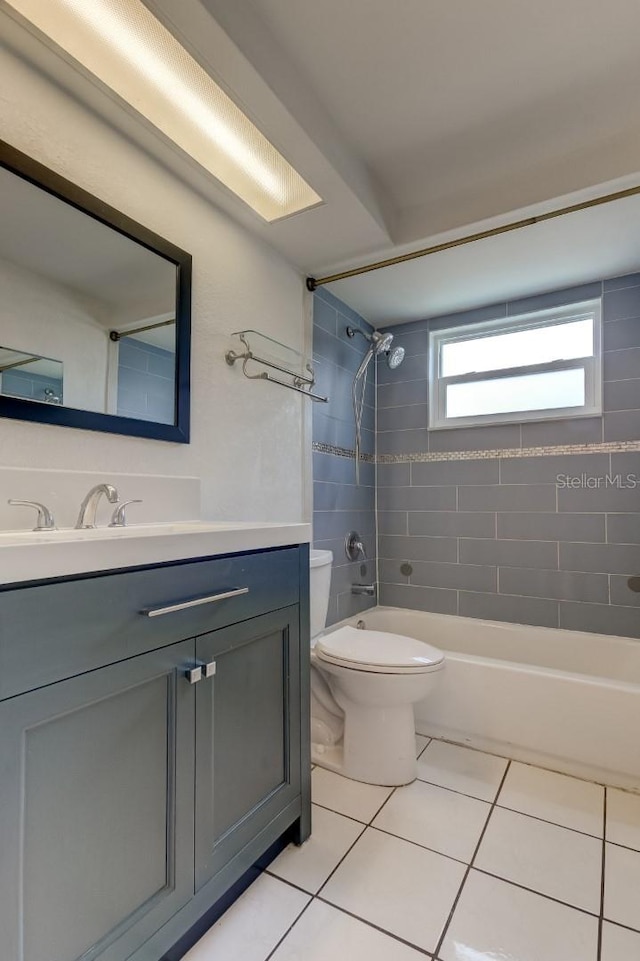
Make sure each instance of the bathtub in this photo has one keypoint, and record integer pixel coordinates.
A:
(566, 700)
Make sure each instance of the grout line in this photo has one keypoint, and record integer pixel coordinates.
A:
(376, 927)
(289, 929)
(541, 894)
(286, 881)
(473, 797)
(604, 854)
(563, 827)
(616, 844)
(333, 811)
(416, 844)
(470, 866)
(468, 871)
(365, 826)
(619, 924)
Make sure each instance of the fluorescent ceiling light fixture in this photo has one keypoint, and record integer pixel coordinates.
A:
(122, 44)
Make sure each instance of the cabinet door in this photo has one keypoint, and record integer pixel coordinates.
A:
(247, 734)
(96, 809)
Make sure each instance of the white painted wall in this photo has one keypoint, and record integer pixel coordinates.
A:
(40, 317)
(247, 437)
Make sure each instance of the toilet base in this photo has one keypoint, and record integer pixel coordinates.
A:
(378, 748)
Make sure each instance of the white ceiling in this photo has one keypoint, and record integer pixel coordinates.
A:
(451, 98)
(466, 115)
(415, 120)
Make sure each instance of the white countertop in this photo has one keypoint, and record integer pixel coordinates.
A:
(35, 555)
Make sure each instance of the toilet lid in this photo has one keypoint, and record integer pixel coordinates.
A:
(379, 649)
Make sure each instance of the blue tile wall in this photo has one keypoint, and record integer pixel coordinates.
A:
(339, 505)
(497, 538)
(19, 383)
(146, 382)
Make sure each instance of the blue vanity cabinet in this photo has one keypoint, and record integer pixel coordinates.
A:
(134, 794)
(247, 736)
(96, 809)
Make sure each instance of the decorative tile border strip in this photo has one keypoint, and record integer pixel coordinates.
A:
(610, 447)
(341, 452)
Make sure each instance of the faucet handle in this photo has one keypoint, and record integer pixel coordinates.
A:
(119, 517)
(45, 520)
(354, 547)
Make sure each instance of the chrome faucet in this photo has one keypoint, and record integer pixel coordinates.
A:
(89, 507)
(45, 517)
(368, 589)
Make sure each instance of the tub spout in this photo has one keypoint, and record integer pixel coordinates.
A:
(368, 589)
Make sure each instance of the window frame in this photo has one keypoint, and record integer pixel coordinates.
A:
(549, 317)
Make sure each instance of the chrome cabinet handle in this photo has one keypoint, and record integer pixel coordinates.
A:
(195, 602)
(202, 672)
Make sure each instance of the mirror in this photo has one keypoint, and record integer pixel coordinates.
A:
(31, 377)
(94, 314)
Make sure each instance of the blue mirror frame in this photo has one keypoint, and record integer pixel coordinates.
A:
(31, 170)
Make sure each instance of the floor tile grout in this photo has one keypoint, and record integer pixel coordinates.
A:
(604, 848)
(541, 894)
(376, 927)
(289, 930)
(423, 847)
(365, 826)
(447, 923)
(620, 924)
(444, 787)
(555, 824)
(341, 813)
(535, 817)
(469, 866)
(286, 881)
(625, 847)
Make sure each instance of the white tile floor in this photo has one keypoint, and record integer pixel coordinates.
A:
(480, 859)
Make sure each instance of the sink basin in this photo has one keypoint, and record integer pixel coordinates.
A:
(34, 555)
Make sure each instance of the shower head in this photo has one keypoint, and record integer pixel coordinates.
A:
(395, 357)
(381, 342)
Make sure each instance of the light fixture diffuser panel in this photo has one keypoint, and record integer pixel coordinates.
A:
(132, 53)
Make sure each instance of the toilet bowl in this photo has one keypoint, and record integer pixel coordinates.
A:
(364, 686)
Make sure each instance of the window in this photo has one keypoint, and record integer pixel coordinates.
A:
(536, 366)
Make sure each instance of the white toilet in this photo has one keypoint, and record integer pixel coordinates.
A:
(363, 688)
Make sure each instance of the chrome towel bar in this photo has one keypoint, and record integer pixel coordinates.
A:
(299, 381)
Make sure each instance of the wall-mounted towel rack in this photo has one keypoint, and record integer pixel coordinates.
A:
(302, 379)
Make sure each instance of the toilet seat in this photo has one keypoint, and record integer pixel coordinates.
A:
(377, 652)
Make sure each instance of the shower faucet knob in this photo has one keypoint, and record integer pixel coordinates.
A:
(353, 546)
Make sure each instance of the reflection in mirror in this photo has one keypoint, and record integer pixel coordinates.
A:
(145, 375)
(67, 281)
(30, 377)
(112, 310)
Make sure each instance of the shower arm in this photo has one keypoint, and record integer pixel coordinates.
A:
(352, 331)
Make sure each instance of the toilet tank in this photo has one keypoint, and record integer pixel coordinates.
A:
(320, 584)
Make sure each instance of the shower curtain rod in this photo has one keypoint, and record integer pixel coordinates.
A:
(314, 282)
(121, 334)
